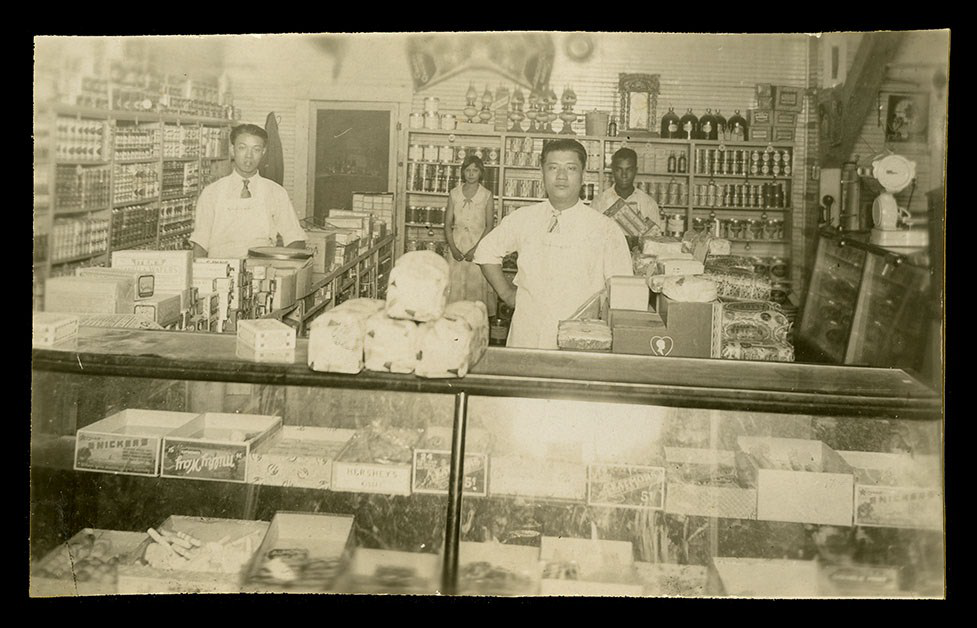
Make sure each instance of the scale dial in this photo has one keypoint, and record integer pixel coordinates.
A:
(894, 172)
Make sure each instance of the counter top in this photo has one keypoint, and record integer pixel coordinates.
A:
(684, 382)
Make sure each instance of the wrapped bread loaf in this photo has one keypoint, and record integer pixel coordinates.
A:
(689, 289)
(767, 352)
(390, 344)
(736, 283)
(661, 246)
(336, 336)
(418, 288)
(755, 322)
(451, 345)
(584, 335)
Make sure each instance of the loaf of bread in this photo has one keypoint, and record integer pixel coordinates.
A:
(418, 287)
(689, 289)
(661, 246)
(679, 266)
(390, 344)
(336, 336)
(451, 345)
(737, 283)
(584, 335)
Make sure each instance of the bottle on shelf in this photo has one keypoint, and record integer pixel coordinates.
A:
(612, 128)
(683, 162)
(672, 197)
(689, 125)
(707, 126)
(720, 123)
(737, 127)
(672, 162)
(670, 127)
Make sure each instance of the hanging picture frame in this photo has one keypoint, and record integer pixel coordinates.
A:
(639, 103)
(906, 118)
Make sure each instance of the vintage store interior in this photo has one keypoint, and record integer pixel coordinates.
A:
(753, 407)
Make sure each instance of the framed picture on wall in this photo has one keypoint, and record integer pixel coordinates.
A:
(906, 118)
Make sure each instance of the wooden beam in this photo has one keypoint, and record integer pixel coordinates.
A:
(843, 111)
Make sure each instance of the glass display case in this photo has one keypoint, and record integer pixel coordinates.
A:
(865, 305)
(539, 473)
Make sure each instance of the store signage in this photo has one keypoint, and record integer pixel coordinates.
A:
(432, 468)
(197, 460)
(626, 486)
(524, 58)
(112, 453)
(898, 507)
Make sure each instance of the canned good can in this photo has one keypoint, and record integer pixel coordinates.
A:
(432, 121)
(431, 104)
(449, 122)
(416, 120)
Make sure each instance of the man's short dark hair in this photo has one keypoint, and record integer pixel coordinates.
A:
(566, 144)
(250, 129)
(624, 153)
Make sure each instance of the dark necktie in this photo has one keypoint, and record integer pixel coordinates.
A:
(245, 192)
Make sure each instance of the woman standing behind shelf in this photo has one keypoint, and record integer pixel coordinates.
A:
(468, 218)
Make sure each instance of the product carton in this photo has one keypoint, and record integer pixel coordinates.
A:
(573, 566)
(128, 442)
(763, 578)
(798, 480)
(145, 283)
(761, 133)
(626, 486)
(708, 483)
(641, 333)
(216, 446)
(694, 329)
(229, 543)
(897, 490)
(265, 334)
(301, 552)
(162, 307)
(323, 243)
(497, 569)
(376, 460)
(527, 476)
(50, 328)
(785, 118)
(789, 98)
(389, 571)
(74, 568)
(780, 133)
(298, 456)
(671, 580)
(761, 117)
(628, 293)
(95, 294)
(173, 269)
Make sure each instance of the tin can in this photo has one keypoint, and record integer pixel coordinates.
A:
(416, 121)
(415, 152)
(430, 153)
(431, 104)
(445, 154)
(449, 122)
(432, 121)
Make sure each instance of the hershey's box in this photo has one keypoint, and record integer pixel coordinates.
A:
(216, 446)
(298, 456)
(173, 270)
(50, 328)
(798, 480)
(127, 442)
(376, 460)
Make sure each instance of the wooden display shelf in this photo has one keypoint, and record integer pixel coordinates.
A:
(138, 160)
(764, 177)
(78, 162)
(445, 194)
(77, 258)
(181, 158)
(60, 211)
(743, 209)
(135, 202)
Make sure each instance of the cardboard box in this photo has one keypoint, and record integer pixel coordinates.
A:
(763, 578)
(128, 442)
(498, 569)
(782, 133)
(632, 318)
(628, 293)
(145, 283)
(573, 566)
(761, 133)
(298, 456)
(785, 118)
(173, 269)
(216, 446)
(50, 328)
(708, 483)
(239, 540)
(694, 330)
(376, 460)
(266, 334)
(626, 486)
(535, 477)
(789, 98)
(69, 569)
(121, 321)
(96, 294)
(431, 467)
(760, 117)
(295, 278)
(801, 481)
(897, 490)
(323, 243)
(280, 356)
(162, 307)
(389, 571)
(312, 548)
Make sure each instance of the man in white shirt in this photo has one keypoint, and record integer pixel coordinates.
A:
(624, 168)
(566, 251)
(243, 209)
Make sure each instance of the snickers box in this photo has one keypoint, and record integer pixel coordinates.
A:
(128, 442)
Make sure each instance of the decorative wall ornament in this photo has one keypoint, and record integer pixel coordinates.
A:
(639, 103)
(524, 58)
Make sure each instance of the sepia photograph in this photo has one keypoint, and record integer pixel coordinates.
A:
(499, 314)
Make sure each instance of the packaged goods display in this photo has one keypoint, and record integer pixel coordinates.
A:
(418, 287)
(82, 188)
(336, 337)
(584, 335)
(709, 482)
(87, 564)
(497, 569)
(80, 140)
(298, 456)
(661, 246)
(389, 571)
(266, 334)
(72, 238)
(93, 294)
(173, 269)
(391, 345)
(215, 446)
(689, 289)
(128, 442)
(452, 344)
(377, 459)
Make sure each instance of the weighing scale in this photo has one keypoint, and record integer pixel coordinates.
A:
(893, 224)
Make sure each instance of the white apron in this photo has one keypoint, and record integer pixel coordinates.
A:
(240, 224)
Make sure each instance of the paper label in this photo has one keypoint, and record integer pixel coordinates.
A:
(432, 468)
(367, 477)
(626, 486)
(898, 507)
(205, 461)
(114, 453)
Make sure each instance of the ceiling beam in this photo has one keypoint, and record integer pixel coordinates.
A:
(843, 109)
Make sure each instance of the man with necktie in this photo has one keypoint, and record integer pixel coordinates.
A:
(566, 251)
(244, 209)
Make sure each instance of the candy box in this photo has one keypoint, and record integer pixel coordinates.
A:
(432, 462)
(265, 334)
(128, 442)
(896, 489)
(498, 569)
(144, 283)
(389, 571)
(216, 446)
(213, 556)
(671, 580)
(95, 294)
(86, 565)
(50, 328)
(301, 552)
(529, 476)
(709, 483)
(798, 480)
(763, 577)
(573, 566)
(376, 460)
(173, 270)
(298, 456)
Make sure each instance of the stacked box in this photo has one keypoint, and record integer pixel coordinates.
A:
(50, 328)
(94, 294)
(323, 243)
(144, 282)
(265, 340)
(173, 270)
(162, 308)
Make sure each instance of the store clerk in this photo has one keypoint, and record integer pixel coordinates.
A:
(624, 166)
(243, 209)
(566, 251)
